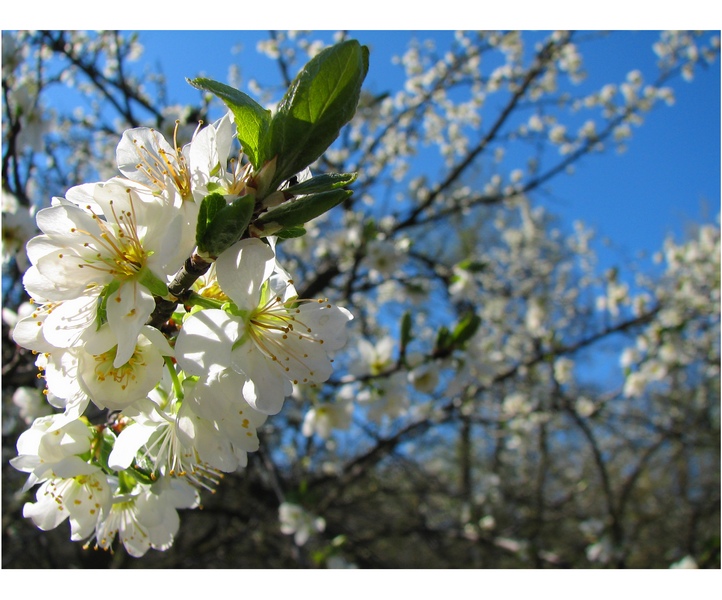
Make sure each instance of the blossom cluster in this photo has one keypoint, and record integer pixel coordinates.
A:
(150, 409)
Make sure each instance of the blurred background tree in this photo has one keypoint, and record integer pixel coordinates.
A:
(471, 421)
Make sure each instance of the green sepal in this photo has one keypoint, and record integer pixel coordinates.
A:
(227, 226)
(252, 120)
(140, 475)
(232, 309)
(150, 281)
(322, 183)
(300, 211)
(103, 443)
(321, 100)
(140, 470)
(101, 316)
(210, 206)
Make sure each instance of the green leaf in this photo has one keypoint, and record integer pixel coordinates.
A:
(227, 226)
(140, 475)
(291, 232)
(443, 340)
(322, 183)
(252, 120)
(210, 206)
(319, 102)
(300, 211)
(473, 266)
(407, 324)
(466, 328)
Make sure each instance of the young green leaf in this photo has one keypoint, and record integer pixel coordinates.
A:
(210, 206)
(319, 102)
(252, 120)
(442, 345)
(291, 232)
(407, 324)
(227, 226)
(298, 212)
(322, 183)
(465, 329)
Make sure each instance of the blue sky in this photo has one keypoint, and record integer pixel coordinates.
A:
(668, 177)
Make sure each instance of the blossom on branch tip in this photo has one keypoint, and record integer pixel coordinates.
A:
(299, 523)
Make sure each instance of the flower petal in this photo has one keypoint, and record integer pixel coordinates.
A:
(205, 341)
(242, 269)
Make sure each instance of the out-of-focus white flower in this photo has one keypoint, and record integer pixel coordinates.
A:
(516, 404)
(558, 134)
(635, 384)
(601, 551)
(35, 120)
(425, 377)
(31, 404)
(535, 316)
(687, 562)
(339, 562)
(321, 420)
(563, 368)
(18, 226)
(374, 358)
(388, 398)
(584, 406)
(299, 523)
(383, 258)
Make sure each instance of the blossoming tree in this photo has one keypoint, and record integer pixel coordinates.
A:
(386, 361)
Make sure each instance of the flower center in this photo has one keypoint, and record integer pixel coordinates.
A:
(119, 250)
(208, 286)
(125, 374)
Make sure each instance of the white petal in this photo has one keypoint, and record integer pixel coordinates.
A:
(69, 320)
(45, 513)
(130, 440)
(67, 224)
(242, 269)
(205, 341)
(128, 309)
(158, 340)
(138, 146)
(72, 466)
(267, 387)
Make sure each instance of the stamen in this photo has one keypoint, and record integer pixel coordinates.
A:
(276, 317)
